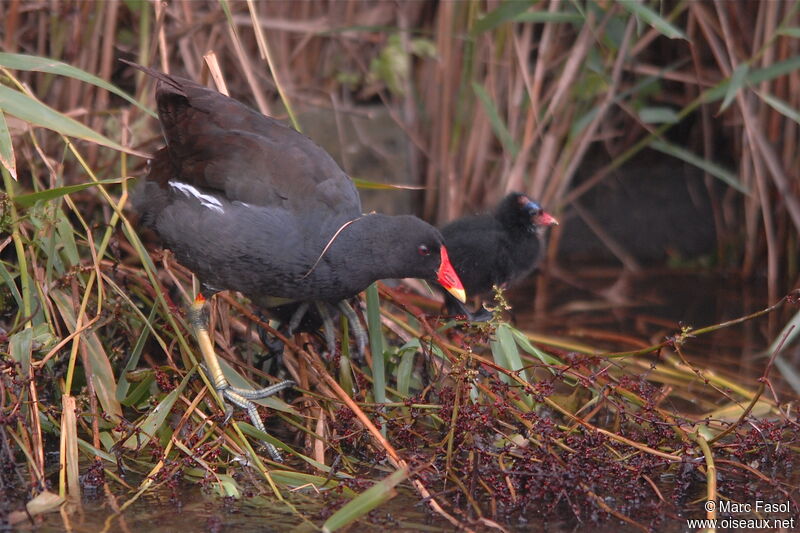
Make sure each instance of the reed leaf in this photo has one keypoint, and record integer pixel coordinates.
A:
(7, 158)
(30, 199)
(712, 168)
(156, 419)
(102, 374)
(507, 11)
(368, 500)
(650, 17)
(31, 110)
(51, 66)
(376, 344)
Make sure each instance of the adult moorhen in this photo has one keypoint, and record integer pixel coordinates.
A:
(495, 249)
(251, 205)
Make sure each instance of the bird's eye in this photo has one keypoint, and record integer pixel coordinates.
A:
(423, 250)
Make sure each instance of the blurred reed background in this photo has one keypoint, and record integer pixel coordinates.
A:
(552, 98)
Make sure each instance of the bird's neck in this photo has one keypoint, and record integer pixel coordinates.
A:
(362, 248)
(516, 225)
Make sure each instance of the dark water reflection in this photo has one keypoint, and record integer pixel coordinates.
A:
(597, 309)
(645, 309)
(190, 509)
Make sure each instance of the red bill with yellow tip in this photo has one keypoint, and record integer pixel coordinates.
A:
(447, 278)
(545, 219)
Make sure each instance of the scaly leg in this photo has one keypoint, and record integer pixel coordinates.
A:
(297, 317)
(242, 398)
(327, 323)
(359, 334)
(327, 327)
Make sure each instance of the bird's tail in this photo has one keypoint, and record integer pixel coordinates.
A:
(171, 82)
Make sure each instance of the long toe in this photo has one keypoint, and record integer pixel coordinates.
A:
(242, 402)
(266, 392)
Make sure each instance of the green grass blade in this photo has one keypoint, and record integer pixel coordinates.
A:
(525, 344)
(287, 478)
(506, 352)
(250, 430)
(499, 356)
(496, 121)
(738, 79)
(506, 12)
(365, 502)
(6, 148)
(226, 486)
(650, 17)
(51, 66)
(143, 256)
(345, 367)
(8, 279)
(780, 68)
(19, 347)
(133, 360)
(140, 393)
(374, 185)
(407, 354)
(156, 418)
(781, 107)
(787, 334)
(789, 373)
(754, 77)
(102, 374)
(26, 290)
(658, 115)
(28, 200)
(33, 111)
(709, 166)
(376, 343)
(91, 450)
(65, 234)
(549, 17)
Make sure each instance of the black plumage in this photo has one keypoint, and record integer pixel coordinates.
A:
(498, 248)
(252, 205)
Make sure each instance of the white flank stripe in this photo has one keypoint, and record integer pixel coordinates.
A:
(206, 200)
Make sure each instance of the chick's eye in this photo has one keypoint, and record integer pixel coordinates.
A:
(423, 250)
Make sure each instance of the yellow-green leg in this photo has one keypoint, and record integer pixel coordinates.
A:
(242, 398)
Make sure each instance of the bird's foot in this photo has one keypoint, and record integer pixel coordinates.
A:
(274, 354)
(243, 398)
(329, 331)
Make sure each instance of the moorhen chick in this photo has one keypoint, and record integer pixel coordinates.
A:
(249, 204)
(495, 249)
